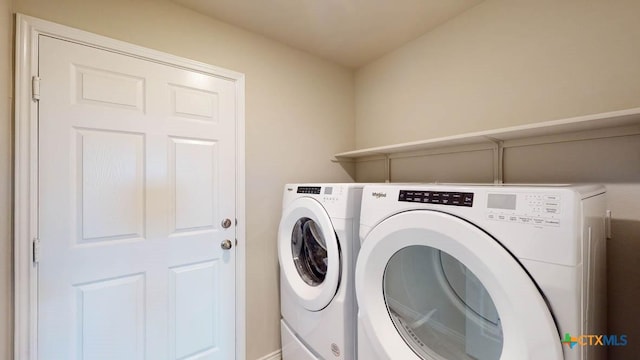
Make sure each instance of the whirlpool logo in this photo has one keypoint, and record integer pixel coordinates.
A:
(594, 340)
(378, 195)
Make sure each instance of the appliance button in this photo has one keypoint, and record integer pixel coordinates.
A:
(524, 219)
(552, 222)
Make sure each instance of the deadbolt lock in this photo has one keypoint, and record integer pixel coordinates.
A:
(226, 223)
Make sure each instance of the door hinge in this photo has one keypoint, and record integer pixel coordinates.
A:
(36, 250)
(35, 88)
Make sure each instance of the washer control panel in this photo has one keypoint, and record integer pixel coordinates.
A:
(332, 193)
(534, 209)
(327, 194)
(309, 190)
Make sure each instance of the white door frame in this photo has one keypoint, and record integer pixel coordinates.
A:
(28, 30)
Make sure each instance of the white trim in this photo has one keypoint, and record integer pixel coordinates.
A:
(241, 231)
(276, 355)
(26, 169)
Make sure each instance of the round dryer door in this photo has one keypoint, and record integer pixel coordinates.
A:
(309, 253)
(433, 286)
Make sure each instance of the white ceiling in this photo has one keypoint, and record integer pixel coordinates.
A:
(349, 32)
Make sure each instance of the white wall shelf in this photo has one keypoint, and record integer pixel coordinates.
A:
(596, 126)
(593, 124)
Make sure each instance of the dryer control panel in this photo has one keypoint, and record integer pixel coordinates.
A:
(437, 197)
(535, 209)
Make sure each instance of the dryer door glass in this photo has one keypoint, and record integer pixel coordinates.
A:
(309, 250)
(439, 307)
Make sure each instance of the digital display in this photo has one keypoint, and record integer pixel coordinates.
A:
(328, 190)
(502, 201)
(309, 190)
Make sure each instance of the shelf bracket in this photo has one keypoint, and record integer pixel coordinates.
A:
(387, 168)
(498, 160)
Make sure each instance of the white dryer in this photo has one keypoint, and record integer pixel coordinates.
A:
(317, 248)
(480, 272)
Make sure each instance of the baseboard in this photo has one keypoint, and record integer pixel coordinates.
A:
(276, 355)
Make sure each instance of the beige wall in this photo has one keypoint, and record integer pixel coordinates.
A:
(505, 63)
(499, 64)
(6, 312)
(299, 111)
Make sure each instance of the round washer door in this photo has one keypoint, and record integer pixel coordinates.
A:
(433, 286)
(309, 254)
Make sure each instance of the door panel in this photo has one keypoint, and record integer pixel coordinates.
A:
(422, 296)
(192, 171)
(111, 191)
(137, 169)
(314, 292)
(193, 314)
(111, 306)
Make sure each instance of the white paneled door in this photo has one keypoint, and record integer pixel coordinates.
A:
(136, 177)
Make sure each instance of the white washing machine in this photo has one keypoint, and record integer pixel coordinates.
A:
(480, 272)
(317, 248)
